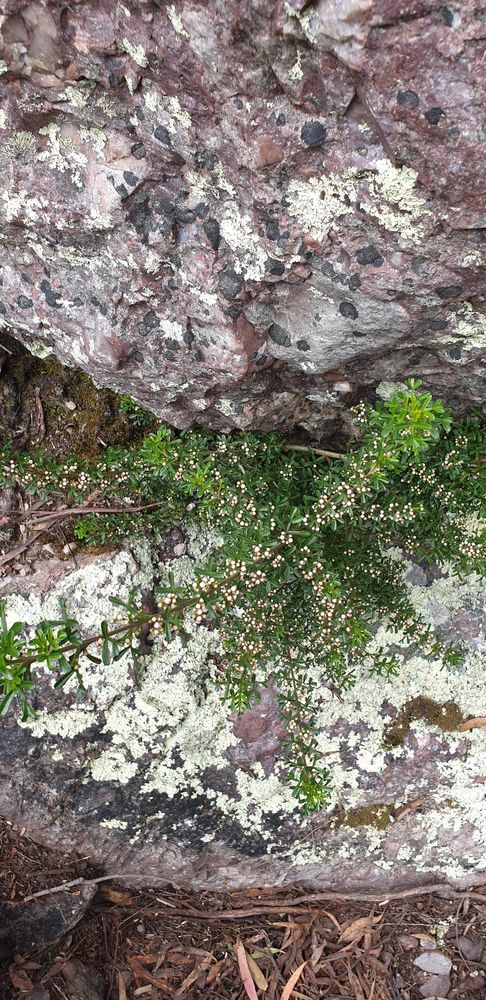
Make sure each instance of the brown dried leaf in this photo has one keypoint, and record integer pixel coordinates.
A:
(116, 896)
(245, 973)
(214, 972)
(20, 980)
(355, 984)
(358, 928)
(200, 966)
(287, 993)
(257, 973)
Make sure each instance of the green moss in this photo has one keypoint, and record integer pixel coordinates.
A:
(96, 420)
(378, 816)
(447, 716)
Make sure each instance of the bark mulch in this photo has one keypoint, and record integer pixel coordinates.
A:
(275, 944)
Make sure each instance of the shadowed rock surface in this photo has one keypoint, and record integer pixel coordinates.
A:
(149, 775)
(245, 214)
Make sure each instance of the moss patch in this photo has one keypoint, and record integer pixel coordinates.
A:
(378, 816)
(447, 716)
(85, 428)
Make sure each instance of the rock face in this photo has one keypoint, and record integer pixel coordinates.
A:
(148, 774)
(245, 214)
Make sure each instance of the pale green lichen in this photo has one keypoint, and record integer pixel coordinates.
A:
(61, 153)
(318, 203)
(170, 716)
(395, 186)
(295, 72)
(306, 18)
(470, 331)
(39, 349)
(473, 257)
(79, 96)
(21, 146)
(98, 220)
(168, 111)
(22, 204)
(94, 137)
(152, 262)
(107, 104)
(386, 389)
(3, 119)
(177, 22)
(136, 52)
(3, 67)
(249, 255)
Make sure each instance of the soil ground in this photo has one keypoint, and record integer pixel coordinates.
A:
(160, 943)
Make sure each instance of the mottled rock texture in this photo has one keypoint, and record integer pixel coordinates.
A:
(245, 213)
(148, 773)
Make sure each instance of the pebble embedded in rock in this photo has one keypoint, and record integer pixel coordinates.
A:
(434, 961)
(348, 310)
(448, 291)
(279, 335)
(369, 255)
(434, 115)
(313, 133)
(407, 98)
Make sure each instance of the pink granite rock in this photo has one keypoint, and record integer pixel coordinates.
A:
(228, 209)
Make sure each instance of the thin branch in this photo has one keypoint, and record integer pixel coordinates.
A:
(69, 885)
(316, 451)
(51, 515)
(282, 905)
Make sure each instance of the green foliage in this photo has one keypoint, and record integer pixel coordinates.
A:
(140, 419)
(304, 571)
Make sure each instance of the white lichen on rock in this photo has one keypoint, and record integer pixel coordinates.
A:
(166, 110)
(61, 153)
(171, 730)
(395, 186)
(470, 330)
(22, 204)
(95, 137)
(3, 67)
(177, 22)
(136, 52)
(306, 18)
(38, 348)
(318, 203)
(20, 146)
(152, 262)
(296, 72)
(3, 119)
(238, 231)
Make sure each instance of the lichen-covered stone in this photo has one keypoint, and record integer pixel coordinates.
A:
(149, 769)
(230, 169)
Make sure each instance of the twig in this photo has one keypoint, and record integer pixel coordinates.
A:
(70, 885)
(20, 548)
(316, 451)
(296, 905)
(373, 121)
(49, 515)
(280, 905)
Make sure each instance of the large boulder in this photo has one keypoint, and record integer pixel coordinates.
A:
(149, 775)
(245, 214)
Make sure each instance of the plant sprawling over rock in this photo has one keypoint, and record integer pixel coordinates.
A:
(303, 572)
